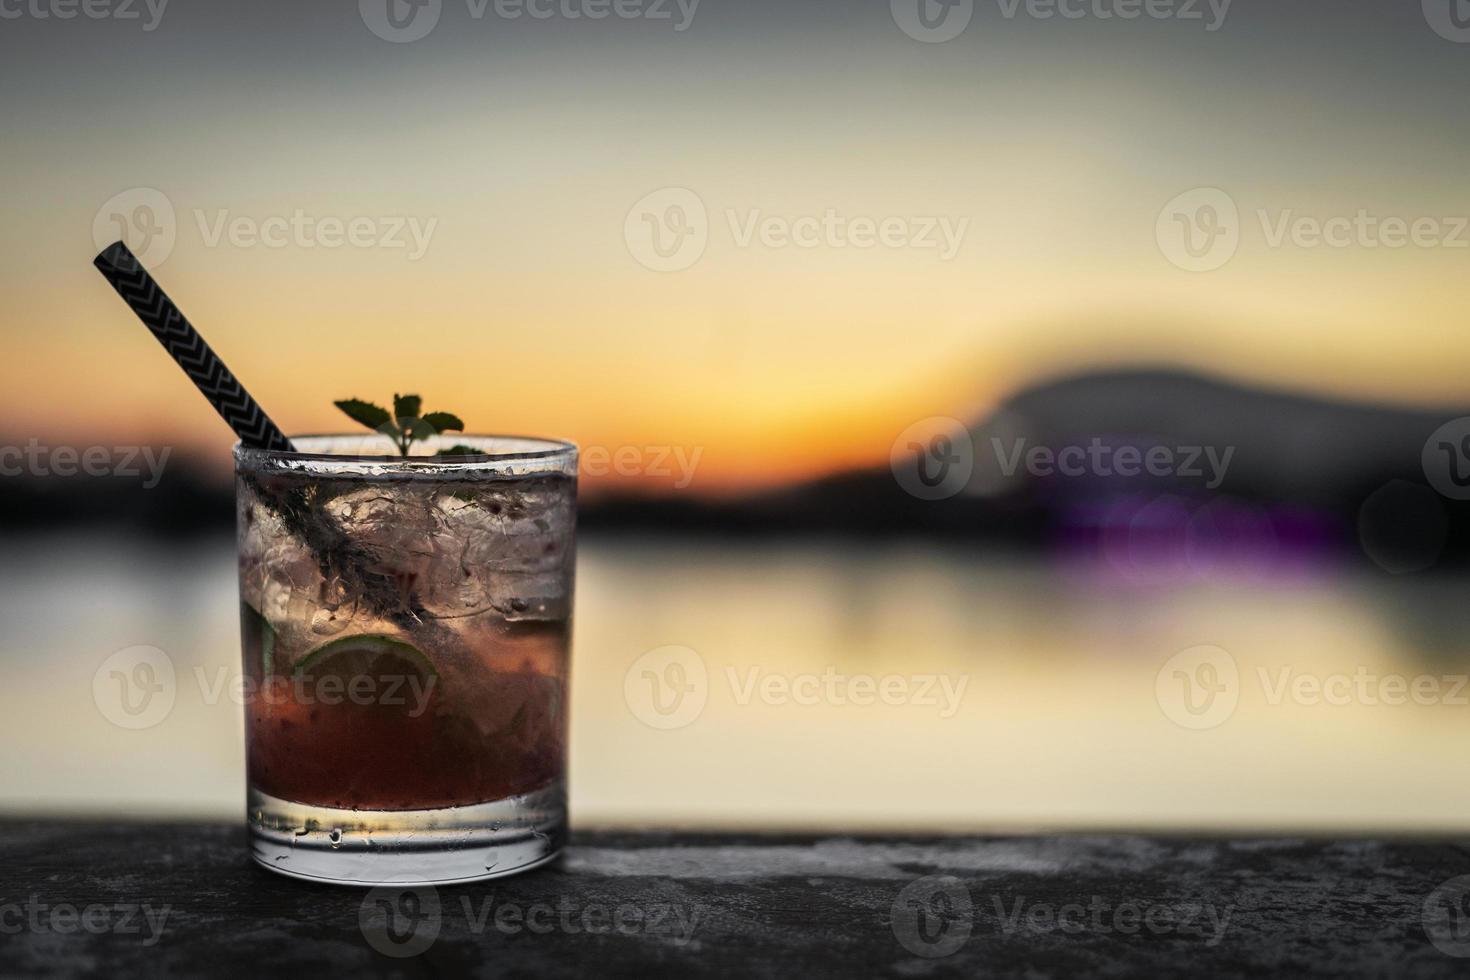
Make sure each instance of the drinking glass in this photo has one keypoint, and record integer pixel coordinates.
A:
(406, 625)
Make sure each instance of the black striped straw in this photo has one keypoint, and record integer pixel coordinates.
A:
(121, 268)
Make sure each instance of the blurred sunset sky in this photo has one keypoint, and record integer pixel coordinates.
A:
(528, 141)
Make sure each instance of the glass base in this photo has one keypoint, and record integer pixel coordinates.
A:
(408, 847)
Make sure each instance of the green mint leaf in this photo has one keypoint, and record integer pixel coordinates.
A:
(365, 413)
(407, 406)
(461, 451)
(416, 429)
(444, 422)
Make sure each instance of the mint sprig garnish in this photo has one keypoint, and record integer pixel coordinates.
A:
(404, 425)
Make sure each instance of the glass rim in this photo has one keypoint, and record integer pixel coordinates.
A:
(528, 449)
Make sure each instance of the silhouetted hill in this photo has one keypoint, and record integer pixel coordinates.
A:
(1278, 456)
(1306, 463)
(1288, 446)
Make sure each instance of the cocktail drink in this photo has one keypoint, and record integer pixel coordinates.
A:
(405, 625)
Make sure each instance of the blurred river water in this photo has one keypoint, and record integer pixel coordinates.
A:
(820, 686)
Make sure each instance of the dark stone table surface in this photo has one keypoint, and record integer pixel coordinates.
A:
(169, 899)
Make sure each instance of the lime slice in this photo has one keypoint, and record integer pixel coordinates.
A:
(258, 637)
(365, 656)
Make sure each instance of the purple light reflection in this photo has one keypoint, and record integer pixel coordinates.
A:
(1165, 539)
